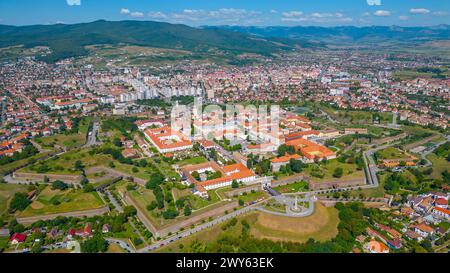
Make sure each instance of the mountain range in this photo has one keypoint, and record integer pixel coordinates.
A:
(348, 34)
(70, 40)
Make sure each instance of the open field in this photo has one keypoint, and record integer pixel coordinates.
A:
(391, 153)
(321, 226)
(115, 248)
(294, 187)
(55, 201)
(16, 164)
(7, 191)
(65, 164)
(143, 197)
(69, 140)
(192, 161)
(439, 165)
(327, 169)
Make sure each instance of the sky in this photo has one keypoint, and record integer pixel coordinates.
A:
(230, 12)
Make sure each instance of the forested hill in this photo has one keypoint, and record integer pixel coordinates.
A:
(70, 40)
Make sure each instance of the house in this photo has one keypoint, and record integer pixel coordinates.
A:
(441, 203)
(18, 238)
(4, 232)
(129, 153)
(167, 140)
(407, 211)
(105, 228)
(206, 144)
(377, 247)
(440, 212)
(413, 235)
(278, 162)
(311, 151)
(225, 176)
(424, 230)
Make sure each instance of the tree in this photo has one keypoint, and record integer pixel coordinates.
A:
(153, 205)
(234, 184)
(59, 185)
(338, 172)
(88, 188)
(20, 201)
(117, 142)
(241, 202)
(143, 163)
(129, 211)
(187, 210)
(94, 245)
(296, 165)
(79, 165)
(196, 175)
(170, 214)
(179, 203)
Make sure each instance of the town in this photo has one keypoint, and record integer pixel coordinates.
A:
(224, 139)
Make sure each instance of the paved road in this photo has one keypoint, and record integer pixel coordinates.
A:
(116, 204)
(122, 244)
(119, 208)
(429, 150)
(92, 135)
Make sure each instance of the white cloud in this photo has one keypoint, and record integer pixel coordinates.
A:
(137, 14)
(73, 2)
(124, 11)
(317, 17)
(403, 17)
(292, 13)
(220, 16)
(440, 13)
(157, 15)
(374, 2)
(382, 13)
(273, 11)
(419, 11)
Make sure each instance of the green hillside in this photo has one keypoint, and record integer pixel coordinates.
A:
(70, 40)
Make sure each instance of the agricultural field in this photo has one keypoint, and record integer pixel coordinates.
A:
(56, 201)
(7, 191)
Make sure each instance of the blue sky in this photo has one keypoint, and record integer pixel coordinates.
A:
(230, 12)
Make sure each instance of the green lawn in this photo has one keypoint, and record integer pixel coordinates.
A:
(391, 153)
(143, 197)
(65, 164)
(13, 165)
(439, 165)
(321, 226)
(7, 191)
(294, 187)
(192, 161)
(327, 170)
(55, 201)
